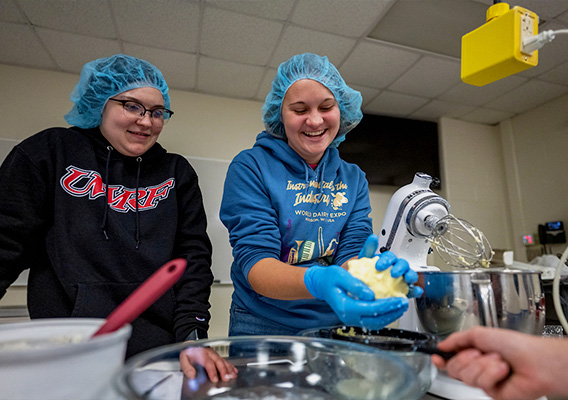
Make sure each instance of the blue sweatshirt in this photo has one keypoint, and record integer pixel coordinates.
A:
(276, 206)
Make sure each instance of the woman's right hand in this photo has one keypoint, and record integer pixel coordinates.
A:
(352, 300)
(399, 266)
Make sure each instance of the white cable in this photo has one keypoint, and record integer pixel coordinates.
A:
(536, 42)
(556, 291)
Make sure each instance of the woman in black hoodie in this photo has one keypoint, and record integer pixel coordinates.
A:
(94, 209)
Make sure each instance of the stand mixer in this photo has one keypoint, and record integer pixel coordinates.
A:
(416, 221)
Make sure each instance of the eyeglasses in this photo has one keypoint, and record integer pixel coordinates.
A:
(157, 115)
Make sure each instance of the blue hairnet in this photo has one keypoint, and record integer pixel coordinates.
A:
(106, 77)
(317, 68)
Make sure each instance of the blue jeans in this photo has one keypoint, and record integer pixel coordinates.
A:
(243, 323)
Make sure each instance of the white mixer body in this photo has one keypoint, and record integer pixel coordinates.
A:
(405, 231)
(410, 217)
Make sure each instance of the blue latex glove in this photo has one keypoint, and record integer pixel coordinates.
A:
(387, 259)
(352, 300)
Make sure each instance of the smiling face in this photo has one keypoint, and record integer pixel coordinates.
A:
(132, 135)
(310, 115)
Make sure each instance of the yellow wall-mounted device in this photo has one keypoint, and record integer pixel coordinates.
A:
(494, 50)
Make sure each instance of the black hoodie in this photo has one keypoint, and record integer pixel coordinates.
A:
(86, 255)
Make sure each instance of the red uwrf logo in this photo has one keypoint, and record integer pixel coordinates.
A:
(83, 183)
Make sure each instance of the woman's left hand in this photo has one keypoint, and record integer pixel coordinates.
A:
(388, 259)
(215, 365)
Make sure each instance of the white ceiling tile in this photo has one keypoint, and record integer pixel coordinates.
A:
(87, 17)
(265, 85)
(10, 13)
(486, 116)
(297, 40)
(270, 9)
(436, 109)
(544, 9)
(557, 75)
(548, 8)
(64, 34)
(464, 93)
(20, 46)
(488, 3)
(394, 104)
(72, 51)
(376, 65)
(179, 69)
(435, 26)
(429, 77)
(348, 18)
(228, 78)
(173, 26)
(368, 94)
(563, 18)
(530, 95)
(238, 37)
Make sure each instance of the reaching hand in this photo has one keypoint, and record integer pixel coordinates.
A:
(388, 259)
(352, 300)
(506, 364)
(215, 365)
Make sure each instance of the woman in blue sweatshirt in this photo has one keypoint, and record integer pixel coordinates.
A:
(296, 213)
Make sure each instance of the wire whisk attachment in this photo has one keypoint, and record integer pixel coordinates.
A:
(460, 244)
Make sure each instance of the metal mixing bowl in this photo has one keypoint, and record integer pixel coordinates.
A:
(498, 297)
(396, 344)
(272, 367)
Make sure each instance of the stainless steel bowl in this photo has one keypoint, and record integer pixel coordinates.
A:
(272, 367)
(498, 297)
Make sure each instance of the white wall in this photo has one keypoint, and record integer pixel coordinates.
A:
(474, 174)
(536, 157)
(203, 126)
(504, 179)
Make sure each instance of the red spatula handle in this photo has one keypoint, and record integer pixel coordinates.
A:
(144, 296)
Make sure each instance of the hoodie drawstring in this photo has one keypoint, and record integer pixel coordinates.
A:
(318, 176)
(105, 215)
(322, 174)
(307, 178)
(139, 161)
(106, 210)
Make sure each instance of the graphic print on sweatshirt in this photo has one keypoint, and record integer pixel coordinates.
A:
(305, 197)
(79, 182)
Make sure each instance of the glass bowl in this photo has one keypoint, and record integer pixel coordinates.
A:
(271, 367)
(397, 342)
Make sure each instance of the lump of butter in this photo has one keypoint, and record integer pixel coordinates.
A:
(380, 282)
